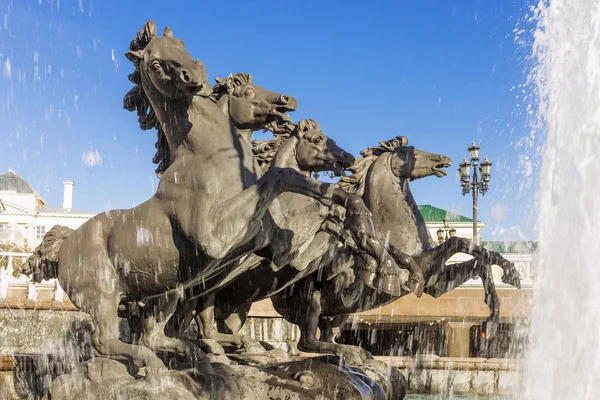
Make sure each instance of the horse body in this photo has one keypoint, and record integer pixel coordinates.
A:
(299, 149)
(396, 208)
(210, 209)
(383, 177)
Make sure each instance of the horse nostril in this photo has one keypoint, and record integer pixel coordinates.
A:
(284, 99)
(348, 156)
(185, 76)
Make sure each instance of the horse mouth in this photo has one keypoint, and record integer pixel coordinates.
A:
(438, 169)
(280, 113)
(339, 168)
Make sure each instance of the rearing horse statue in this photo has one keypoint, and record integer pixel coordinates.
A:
(210, 209)
(382, 178)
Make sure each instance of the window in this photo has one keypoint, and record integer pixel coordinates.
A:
(40, 231)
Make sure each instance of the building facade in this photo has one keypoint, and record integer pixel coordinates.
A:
(25, 217)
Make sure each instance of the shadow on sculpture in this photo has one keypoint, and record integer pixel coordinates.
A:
(382, 178)
(213, 216)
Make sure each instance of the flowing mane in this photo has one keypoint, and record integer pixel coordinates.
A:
(224, 85)
(136, 99)
(266, 150)
(355, 183)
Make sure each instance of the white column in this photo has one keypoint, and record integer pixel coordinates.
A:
(68, 194)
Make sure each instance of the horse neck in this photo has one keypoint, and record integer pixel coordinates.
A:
(223, 104)
(395, 211)
(189, 123)
(286, 156)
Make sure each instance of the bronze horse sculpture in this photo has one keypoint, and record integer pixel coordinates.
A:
(382, 178)
(232, 303)
(305, 217)
(211, 209)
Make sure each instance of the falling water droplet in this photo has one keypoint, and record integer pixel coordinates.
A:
(7, 69)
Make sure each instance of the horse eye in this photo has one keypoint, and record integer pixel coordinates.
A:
(318, 139)
(249, 92)
(156, 66)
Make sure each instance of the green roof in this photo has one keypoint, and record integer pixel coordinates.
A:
(434, 214)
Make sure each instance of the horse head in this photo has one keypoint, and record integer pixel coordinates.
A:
(251, 107)
(407, 162)
(164, 71)
(164, 64)
(317, 152)
(302, 145)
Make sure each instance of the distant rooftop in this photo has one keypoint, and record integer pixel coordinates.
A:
(59, 210)
(435, 214)
(12, 182)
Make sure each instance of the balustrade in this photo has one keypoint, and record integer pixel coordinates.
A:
(9, 279)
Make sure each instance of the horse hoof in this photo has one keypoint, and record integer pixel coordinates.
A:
(354, 355)
(417, 287)
(511, 276)
(210, 346)
(418, 290)
(252, 346)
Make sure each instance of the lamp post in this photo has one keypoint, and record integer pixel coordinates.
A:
(445, 233)
(471, 183)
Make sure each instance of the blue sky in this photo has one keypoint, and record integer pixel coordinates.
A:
(442, 73)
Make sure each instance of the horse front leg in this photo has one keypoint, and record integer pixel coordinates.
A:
(510, 274)
(448, 277)
(240, 218)
(380, 269)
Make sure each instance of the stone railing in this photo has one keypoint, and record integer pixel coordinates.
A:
(20, 283)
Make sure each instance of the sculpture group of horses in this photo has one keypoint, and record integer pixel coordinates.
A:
(234, 221)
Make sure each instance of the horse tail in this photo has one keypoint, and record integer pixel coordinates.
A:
(43, 263)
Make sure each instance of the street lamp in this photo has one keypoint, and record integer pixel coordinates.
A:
(472, 183)
(445, 233)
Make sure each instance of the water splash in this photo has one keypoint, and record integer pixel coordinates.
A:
(564, 361)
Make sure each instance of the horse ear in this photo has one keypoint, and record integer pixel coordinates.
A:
(148, 33)
(230, 83)
(249, 78)
(134, 56)
(403, 140)
(304, 125)
(168, 32)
